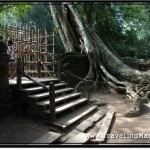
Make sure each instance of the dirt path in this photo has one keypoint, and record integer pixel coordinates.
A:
(130, 130)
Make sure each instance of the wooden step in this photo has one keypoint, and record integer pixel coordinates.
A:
(68, 105)
(47, 138)
(46, 94)
(26, 81)
(71, 118)
(80, 138)
(36, 89)
(84, 125)
(59, 99)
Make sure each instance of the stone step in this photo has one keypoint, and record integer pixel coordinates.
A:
(68, 105)
(105, 127)
(80, 138)
(84, 125)
(70, 119)
(47, 138)
(46, 94)
(36, 89)
(59, 99)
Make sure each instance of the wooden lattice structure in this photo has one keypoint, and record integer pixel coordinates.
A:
(35, 49)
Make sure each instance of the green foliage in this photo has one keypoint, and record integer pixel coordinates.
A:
(40, 16)
(11, 12)
(124, 26)
(35, 14)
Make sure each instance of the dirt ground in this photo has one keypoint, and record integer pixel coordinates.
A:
(131, 130)
(29, 126)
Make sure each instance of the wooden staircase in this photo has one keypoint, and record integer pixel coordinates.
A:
(70, 106)
(84, 132)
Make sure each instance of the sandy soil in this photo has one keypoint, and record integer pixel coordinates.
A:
(130, 130)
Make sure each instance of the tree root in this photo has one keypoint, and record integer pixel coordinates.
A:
(137, 99)
(135, 109)
(103, 63)
(132, 113)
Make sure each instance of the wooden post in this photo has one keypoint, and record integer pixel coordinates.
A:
(87, 90)
(18, 74)
(59, 70)
(22, 63)
(19, 86)
(52, 101)
(53, 50)
(39, 69)
(45, 59)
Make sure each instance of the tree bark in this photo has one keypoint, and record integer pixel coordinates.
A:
(88, 8)
(78, 36)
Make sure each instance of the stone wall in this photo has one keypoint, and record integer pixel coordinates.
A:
(4, 85)
(139, 64)
(75, 63)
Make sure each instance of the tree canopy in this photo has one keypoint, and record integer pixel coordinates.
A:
(123, 26)
(35, 14)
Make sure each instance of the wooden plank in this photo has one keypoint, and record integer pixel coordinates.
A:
(63, 90)
(46, 79)
(49, 137)
(59, 99)
(80, 138)
(26, 81)
(86, 124)
(68, 105)
(33, 89)
(52, 101)
(73, 117)
(104, 127)
(46, 94)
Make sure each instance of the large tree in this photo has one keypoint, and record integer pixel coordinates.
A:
(77, 35)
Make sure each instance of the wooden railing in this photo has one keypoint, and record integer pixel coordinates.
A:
(81, 79)
(59, 65)
(51, 88)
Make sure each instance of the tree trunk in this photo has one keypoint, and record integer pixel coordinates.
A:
(78, 36)
(88, 8)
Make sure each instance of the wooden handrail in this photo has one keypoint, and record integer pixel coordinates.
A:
(75, 76)
(51, 89)
(83, 80)
(38, 83)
